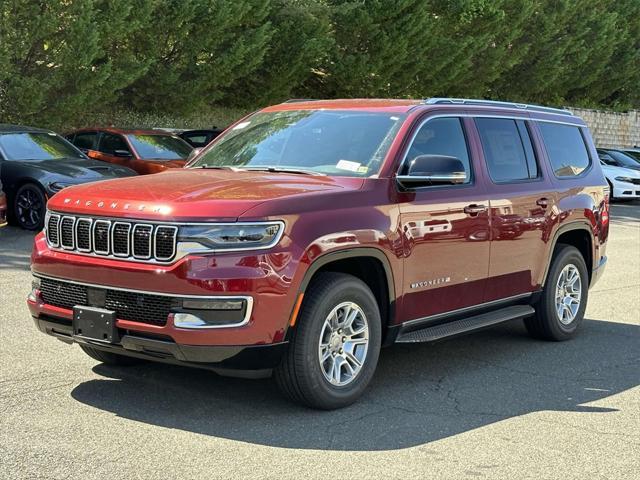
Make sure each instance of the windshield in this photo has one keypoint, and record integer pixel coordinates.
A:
(623, 160)
(160, 147)
(36, 146)
(633, 155)
(344, 143)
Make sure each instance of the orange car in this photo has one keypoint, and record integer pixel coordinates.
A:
(145, 151)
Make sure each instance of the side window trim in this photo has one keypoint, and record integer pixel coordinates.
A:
(460, 117)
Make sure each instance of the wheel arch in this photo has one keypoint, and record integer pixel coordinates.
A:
(355, 261)
(578, 234)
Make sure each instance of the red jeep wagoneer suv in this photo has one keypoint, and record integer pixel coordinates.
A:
(312, 233)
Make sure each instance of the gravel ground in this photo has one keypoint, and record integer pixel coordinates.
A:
(495, 404)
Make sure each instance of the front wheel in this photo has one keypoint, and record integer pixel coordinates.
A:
(29, 207)
(334, 350)
(560, 310)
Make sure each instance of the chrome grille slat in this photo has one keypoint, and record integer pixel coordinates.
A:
(67, 234)
(128, 240)
(53, 224)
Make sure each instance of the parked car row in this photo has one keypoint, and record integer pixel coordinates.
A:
(35, 163)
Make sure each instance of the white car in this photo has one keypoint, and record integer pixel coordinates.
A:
(624, 182)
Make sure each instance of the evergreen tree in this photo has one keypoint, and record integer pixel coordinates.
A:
(197, 49)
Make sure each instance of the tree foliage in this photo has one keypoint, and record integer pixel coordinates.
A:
(59, 60)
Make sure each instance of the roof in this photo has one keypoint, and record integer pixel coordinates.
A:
(8, 128)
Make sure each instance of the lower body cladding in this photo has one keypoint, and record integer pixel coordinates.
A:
(105, 319)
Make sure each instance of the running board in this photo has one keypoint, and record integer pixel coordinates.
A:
(465, 325)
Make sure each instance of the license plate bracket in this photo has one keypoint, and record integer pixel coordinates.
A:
(95, 324)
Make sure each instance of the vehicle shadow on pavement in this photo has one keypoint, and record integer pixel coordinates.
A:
(420, 393)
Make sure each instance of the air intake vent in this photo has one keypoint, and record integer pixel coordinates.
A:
(116, 239)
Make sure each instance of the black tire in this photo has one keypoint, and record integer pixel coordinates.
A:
(546, 323)
(109, 358)
(29, 207)
(300, 376)
(611, 196)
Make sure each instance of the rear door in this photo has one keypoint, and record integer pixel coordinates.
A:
(445, 228)
(522, 205)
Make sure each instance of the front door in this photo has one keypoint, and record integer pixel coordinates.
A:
(445, 229)
(106, 151)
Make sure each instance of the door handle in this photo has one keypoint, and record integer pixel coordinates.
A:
(475, 209)
(542, 202)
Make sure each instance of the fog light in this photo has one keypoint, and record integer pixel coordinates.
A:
(213, 312)
(34, 295)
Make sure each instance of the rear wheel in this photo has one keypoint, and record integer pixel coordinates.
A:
(110, 358)
(560, 310)
(334, 350)
(29, 207)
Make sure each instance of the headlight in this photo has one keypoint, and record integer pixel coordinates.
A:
(625, 179)
(57, 186)
(233, 236)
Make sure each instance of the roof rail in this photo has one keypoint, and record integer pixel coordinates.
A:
(494, 103)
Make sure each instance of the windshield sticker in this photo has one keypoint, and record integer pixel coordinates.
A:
(363, 169)
(241, 125)
(348, 165)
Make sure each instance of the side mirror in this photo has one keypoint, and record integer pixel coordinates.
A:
(426, 170)
(122, 153)
(194, 153)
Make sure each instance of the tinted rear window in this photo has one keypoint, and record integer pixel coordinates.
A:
(566, 149)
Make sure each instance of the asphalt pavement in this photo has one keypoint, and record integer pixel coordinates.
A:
(495, 404)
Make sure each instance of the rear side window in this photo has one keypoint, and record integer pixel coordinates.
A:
(85, 140)
(507, 149)
(566, 149)
(441, 136)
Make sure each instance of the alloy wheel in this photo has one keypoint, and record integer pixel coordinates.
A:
(344, 341)
(29, 208)
(568, 294)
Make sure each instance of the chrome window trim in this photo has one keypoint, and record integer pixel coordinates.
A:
(129, 239)
(155, 242)
(133, 236)
(73, 232)
(84, 219)
(247, 298)
(525, 117)
(93, 236)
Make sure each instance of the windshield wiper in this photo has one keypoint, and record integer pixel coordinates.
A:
(221, 167)
(285, 170)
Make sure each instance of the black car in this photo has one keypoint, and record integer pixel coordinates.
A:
(618, 158)
(36, 164)
(200, 138)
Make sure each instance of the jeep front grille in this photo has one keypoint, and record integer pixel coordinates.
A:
(111, 238)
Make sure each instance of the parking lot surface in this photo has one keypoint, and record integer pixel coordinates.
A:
(491, 405)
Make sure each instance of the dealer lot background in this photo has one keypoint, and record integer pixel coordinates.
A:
(494, 404)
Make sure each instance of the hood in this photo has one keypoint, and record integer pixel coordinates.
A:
(81, 169)
(621, 171)
(193, 194)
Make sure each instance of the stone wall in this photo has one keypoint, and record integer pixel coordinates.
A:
(610, 129)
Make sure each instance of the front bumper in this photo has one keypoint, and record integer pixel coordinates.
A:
(254, 361)
(264, 277)
(625, 190)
